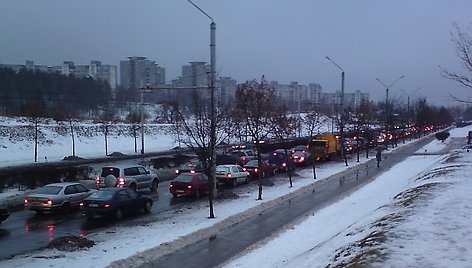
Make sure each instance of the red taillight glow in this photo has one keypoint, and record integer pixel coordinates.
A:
(48, 202)
(244, 158)
(189, 187)
(121, 181)
(284, 164)
(245, 169)
(81, 204)
(256, 170)
(229, 175)
(97, 180)
(177, 171)
(192, 171)
(302, 158)
(26, 201)
(106, 205)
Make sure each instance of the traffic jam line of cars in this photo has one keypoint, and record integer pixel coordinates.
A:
(118, 188)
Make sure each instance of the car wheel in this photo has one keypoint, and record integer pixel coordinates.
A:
(133, 187)
(119, 214)
(235, 182)
(246, 180)
(147, 207)
(197, 193)
(154, 185)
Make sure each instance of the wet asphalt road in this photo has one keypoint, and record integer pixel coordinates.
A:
(234, 239)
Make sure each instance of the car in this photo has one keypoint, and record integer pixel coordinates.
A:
(231, 174)
(189, 184)
(281, 160)
(227, 159)
(302, 148)
(192, 166)
(301, 158)
(135, 177)
(57, 197)
(253, 168)
(115, 202)
(4, 214)
(244, 155)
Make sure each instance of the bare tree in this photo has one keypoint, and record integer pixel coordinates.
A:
(463, 43)
(134, 118)
(313, 121)
(254, 110)
(36, 113)
(283, 128)
(106, 118)
(195, 133)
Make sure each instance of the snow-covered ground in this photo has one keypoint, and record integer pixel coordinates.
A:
(417, 214)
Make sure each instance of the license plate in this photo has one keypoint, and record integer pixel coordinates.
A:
(180, 191)
(93, 205)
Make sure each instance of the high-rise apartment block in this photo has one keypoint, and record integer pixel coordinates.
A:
(139, 72)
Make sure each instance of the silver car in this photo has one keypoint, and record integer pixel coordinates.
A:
(135, 177)
(61, 197)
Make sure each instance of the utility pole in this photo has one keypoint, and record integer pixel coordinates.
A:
(341, 122)
(212, 148)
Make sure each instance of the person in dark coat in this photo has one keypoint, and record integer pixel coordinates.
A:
(378, 156)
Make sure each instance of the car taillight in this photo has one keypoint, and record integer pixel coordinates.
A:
(97, 180)
(121, 181)
(171, 185)
(229, 175)
(192, 171)
(189, 186)
(81, 204)
(244, 158)
(176, 171)
(302, 158)
(48, 202)
(106, 205)
(284, 164)
(26, 201)
(256, 170)
(245, 169)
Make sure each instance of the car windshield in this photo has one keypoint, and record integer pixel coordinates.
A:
(184, 178)
(102, 195)
(53, 190)
(222, 169)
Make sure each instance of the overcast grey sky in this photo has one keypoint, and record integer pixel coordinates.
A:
(284, 40)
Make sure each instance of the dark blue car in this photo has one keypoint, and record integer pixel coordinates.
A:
(281, 160)
(115, 202)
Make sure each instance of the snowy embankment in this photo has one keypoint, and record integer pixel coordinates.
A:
(55, 140)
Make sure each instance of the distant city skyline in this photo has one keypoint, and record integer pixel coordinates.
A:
(287, 41)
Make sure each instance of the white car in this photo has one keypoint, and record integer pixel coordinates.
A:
(231, 174)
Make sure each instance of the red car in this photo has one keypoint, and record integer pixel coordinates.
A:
(193, 184)
(253, 169)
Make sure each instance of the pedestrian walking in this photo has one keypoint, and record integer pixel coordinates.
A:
(378, 156)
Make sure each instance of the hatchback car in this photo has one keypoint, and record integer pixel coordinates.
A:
(281, 160)
(4, 214)
(301, 158)
(253, 168)
(192, 167)
(231, 174)
(62, 196)
(115, 202)
(244, 155)
(135, 177)
(194, 184)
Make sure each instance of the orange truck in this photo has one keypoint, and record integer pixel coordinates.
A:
(324, 146)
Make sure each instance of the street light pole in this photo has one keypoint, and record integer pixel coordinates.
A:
(341, 123)
(387, 115)
(212, 151)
